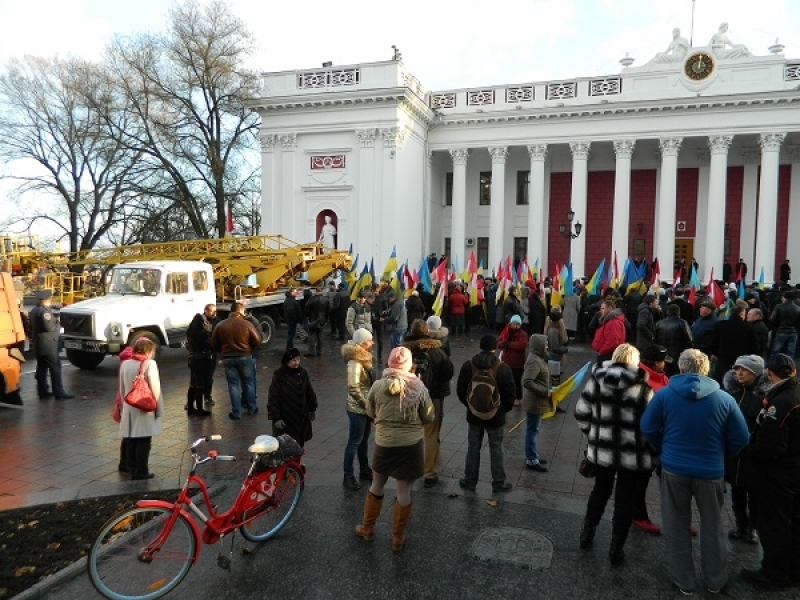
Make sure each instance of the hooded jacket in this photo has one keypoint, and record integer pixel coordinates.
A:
(608, 413)
(536, 378)
(740, 470)
(776, 440)
(505, 386)
(442, 334)
(695, 425)
(514, 347)
(360, 377)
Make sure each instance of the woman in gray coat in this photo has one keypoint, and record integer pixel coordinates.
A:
(535, 398)
(136, 425)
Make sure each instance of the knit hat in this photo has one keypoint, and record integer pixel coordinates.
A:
(488, 343)
(289, 355)
(781, 365)
(516, 320)
(400, 359)
(751, 362)
(434, 322)
(361, 335)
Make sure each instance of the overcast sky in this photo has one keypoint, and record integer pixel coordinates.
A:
(446, 44)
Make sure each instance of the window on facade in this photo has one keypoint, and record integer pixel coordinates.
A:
(448, 189)
(447, 247)
(523, 185)
(482, 254)
(520, 248)
(485, 189)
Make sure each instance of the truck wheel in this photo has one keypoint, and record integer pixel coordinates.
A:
(84, 360)
(148, 335)
(268, 325)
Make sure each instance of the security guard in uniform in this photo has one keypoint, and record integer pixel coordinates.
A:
(45, 334)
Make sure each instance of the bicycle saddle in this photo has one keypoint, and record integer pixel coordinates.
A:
(264, 444)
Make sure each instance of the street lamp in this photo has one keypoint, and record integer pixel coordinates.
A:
(567, 231)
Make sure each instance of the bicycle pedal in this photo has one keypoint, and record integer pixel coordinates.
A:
(224, 562)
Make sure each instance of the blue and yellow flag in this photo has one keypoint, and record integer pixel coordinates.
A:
(563, 391)
(594, 283)
(364, 282)
(391, 266)
(761, 279)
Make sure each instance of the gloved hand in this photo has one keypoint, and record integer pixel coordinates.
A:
(279, 425)
(312, 416)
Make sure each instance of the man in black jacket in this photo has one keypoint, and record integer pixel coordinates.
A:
(316, 313)
(732, 338)
(493, 425)
(775, 448)
(674, 334)
(755, 319)
(419, 342)
(784, 320)
(646, 322)
(45, 337)
(202, 361)
(293, 315)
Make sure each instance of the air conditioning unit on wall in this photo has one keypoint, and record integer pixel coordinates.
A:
(470, 241)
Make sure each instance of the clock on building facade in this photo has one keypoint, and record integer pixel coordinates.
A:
(698, 66)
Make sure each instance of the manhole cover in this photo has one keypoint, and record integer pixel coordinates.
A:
(511, 545)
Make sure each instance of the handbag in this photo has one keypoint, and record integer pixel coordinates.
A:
(141, 396)
(586, 468)
(116, 414)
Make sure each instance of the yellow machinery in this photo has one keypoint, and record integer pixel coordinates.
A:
(244, 267)
(12, 339)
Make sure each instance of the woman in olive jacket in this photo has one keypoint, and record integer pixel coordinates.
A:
(535, 398)
(357, 355)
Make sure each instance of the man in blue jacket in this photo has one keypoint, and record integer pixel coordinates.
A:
(695, 425)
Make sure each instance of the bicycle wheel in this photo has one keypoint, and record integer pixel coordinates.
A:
(115, 567)
(274, 515)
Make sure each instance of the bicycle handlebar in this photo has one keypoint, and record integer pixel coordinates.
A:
(206, 438)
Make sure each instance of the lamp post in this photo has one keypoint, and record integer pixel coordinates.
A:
(568, 232)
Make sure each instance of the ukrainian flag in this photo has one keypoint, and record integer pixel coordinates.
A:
(563, 391)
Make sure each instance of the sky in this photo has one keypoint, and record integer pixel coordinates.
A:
(445, 44)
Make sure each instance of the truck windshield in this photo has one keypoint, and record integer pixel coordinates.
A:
(135, 280)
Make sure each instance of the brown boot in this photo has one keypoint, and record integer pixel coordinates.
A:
(372, 508)
(399, 521)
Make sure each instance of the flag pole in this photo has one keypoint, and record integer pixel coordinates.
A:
(691, 33)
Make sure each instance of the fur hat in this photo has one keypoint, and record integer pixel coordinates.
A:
(655, 353)
(434, 322)
(361, 335)
(751, 362)
(782, 365)
(400, 359)
(289, 355)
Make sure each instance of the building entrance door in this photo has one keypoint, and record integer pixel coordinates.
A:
(684, 252)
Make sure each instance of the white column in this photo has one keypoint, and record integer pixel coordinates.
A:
(664, 251)
(389, 213)
(537, 239)
(360, 218)
(427, 230)
(289, 203)
(715, 224)
(622, 200)
(747, 232)
(459, 222)
(793, 242)
(498, 202)
(580, 174)
(766, 231)
(270, 185)
(701, 216)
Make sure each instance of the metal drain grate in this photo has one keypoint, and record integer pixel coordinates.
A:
(515, 546)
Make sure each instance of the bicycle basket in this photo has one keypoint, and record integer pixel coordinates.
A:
(287, 448)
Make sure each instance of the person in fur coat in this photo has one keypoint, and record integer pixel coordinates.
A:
(292, 402)
(608, 413)
(357, 355)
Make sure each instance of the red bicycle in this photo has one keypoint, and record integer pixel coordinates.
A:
(146, 551)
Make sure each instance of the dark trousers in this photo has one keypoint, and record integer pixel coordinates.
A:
(315, 340)
(290, 333)
(201, 380)
(123, 455)
(49, 363)
(624, 495)
(139, 456)
(517, 373)
(640, 492)
(744, 507)
(377, 335)
(778, 520)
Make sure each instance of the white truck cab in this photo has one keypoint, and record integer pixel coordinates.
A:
(156, 299)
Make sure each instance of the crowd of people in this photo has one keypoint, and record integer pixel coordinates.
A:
(697, 397)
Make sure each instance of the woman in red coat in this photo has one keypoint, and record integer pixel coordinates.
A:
(457, 304)
(611, 332)
(514, 344)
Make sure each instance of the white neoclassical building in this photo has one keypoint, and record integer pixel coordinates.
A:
(694, 154)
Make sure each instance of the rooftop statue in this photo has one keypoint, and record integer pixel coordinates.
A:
(676, 51)
(719, 45)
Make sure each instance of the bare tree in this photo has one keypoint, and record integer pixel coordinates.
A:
(188, 89)
(54, 131)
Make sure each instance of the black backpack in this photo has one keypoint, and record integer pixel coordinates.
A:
(423, 368)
